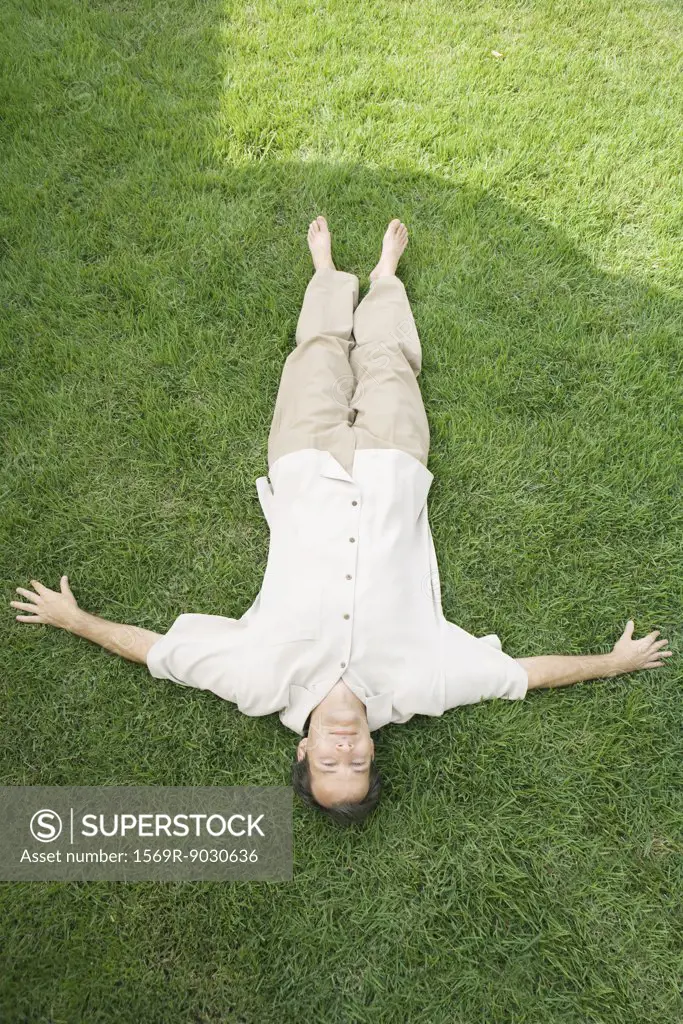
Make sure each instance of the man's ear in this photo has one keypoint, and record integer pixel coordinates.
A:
(301, 748)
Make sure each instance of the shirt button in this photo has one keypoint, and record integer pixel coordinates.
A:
(343, 664)
(348, 577)
(347, 616)
(354, 502)
(352, 539)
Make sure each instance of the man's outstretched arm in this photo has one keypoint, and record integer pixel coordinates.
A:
(59, 608)
(628, 655)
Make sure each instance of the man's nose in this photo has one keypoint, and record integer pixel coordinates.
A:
(345, 744)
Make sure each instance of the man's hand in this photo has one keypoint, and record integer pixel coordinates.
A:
(631, 655)
(627, 655)
(55, 607)
(59, 608)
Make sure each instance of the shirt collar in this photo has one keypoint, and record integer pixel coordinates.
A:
(332, 468)
(378, 706)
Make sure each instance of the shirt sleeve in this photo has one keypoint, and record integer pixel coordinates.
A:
(204, 651)
(476, 668)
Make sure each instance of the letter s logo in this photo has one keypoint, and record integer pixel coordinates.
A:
(46, 826)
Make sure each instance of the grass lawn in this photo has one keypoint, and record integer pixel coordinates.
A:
(161, 162)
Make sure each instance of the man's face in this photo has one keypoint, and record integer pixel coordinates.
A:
(339, 751)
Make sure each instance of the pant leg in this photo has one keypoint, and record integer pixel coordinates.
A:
(386, 360)
(312, 405)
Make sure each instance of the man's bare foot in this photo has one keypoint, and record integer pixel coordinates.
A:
(320, 244)
(394, 242)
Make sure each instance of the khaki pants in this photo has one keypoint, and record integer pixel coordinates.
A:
(351, 380)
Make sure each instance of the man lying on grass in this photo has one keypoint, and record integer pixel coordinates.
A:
(347, 632)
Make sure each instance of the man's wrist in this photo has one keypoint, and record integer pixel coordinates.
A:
(615, 667)
(76, 622)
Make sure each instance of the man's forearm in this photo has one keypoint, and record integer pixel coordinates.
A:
(131, 642)
(550, 670)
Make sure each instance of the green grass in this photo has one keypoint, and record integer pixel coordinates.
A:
(161, 163)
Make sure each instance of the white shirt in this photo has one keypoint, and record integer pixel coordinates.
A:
(351, 590)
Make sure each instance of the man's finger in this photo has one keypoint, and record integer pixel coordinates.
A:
(39, 587)
(25, 607)
(27, 593)
(29, 618)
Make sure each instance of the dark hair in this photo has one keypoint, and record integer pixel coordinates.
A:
(345, 813)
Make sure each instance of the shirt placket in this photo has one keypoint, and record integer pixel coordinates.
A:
(350, 576)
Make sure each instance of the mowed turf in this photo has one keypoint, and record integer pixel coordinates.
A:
(161, 163)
